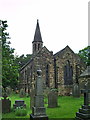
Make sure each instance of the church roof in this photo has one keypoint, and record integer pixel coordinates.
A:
(67, 48)
(61, 51)
(33, 56)
(37, 36)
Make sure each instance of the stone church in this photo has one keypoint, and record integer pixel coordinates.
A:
(60, 70)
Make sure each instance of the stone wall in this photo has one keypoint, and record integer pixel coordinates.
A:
(52, 67)
(28, 73)
(61, 61)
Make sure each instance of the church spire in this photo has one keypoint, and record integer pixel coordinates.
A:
(37, 36)
(37, 42)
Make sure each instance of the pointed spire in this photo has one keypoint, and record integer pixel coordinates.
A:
(37, 36)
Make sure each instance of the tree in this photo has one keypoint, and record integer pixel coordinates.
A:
(85, 55)
(9, 68)
(22, 60)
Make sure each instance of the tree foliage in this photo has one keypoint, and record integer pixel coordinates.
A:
(9, 68)
(85, 55)
(22, 60)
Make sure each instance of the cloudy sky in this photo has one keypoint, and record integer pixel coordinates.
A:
(62, 22)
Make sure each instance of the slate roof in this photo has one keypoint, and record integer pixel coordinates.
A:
(33, 56)
(60, 53)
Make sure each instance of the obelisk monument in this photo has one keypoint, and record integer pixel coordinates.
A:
(38, 110)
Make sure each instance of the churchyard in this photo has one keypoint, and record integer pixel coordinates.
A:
(67, 107)
(52, 106)
(67, 97)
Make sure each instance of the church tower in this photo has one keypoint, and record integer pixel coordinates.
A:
(37, 43)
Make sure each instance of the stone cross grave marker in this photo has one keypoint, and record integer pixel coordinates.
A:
(6, 104)
(84, 112)
(38, 110)
(53, 99)
(86, 92)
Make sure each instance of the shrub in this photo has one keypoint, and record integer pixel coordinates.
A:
(54, 89)
(20, 111)
(22, 93)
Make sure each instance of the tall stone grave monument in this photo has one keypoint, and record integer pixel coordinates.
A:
(38, 110)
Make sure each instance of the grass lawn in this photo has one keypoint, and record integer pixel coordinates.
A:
(67, 107)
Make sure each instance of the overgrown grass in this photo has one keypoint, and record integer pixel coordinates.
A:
(67, 107)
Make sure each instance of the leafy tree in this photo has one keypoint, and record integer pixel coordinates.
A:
(9, 68)
(85, 55)
(22, 60)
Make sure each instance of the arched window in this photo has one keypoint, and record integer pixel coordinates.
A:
(35, 47)
(38, 46)
(47, 75)
(68, 74)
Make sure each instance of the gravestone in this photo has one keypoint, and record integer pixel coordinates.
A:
(32, 95)
(53, 99)
(76, 90)
(38, 110)
(6, 104)
(19, 103)
(22, 93)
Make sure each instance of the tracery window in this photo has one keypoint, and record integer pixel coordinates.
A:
(68, 74)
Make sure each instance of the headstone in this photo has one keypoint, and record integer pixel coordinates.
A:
(53, 99)
(6, 104)
(32, 95)
(22, 93)
(76, 90)
(39, 111)
(19, 103)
